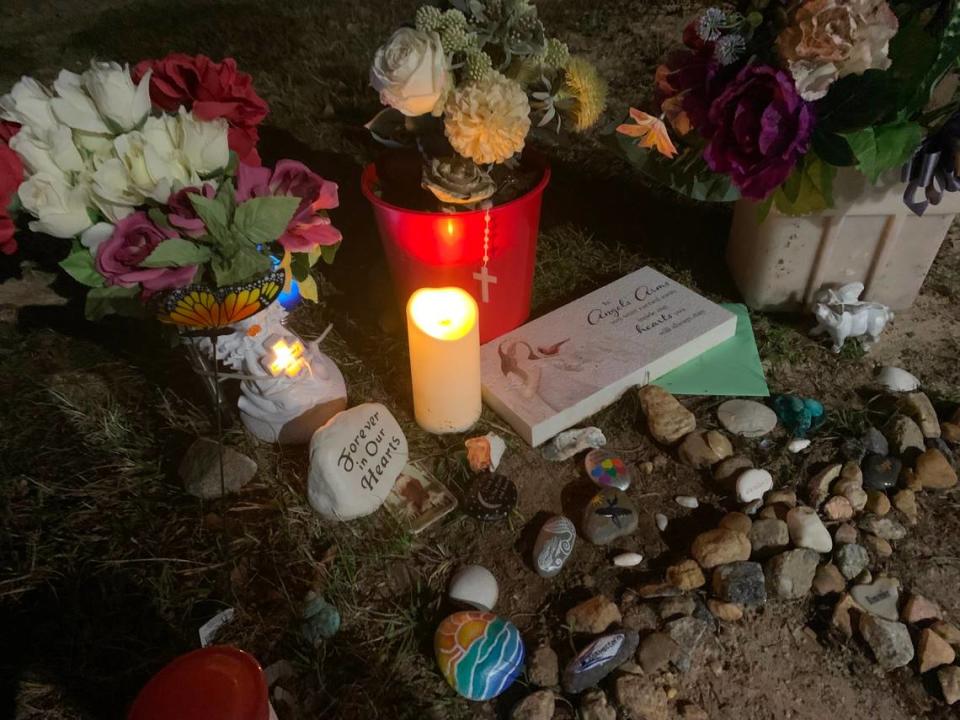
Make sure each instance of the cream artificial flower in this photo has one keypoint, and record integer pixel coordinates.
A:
(117, 99)
(410, 72)
(153, 163)
(28, 104)
(61, 210)
(48, 150)
(830, 39)
(74, 107)
(487, 121)
(203, 143)
(111, 190)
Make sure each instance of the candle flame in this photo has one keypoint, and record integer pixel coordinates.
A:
(288, 359)
(443, 313)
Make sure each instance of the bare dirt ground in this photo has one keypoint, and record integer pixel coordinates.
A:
(107, 567)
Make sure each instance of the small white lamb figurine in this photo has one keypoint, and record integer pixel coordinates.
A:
(842, 315)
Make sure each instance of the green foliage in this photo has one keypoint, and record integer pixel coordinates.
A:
(176, 252)
(884, 147)
(236, 260)
(687, 174)
(264, 219)
(858, 101)
(79, 265)
(808, 189)
(114, 300)
(947, 52)
(214, 213)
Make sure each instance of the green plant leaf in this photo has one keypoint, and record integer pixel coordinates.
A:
(300, 266)
(808, 189)
(858, 101)
(947, 53)
(242, 262)
(309, 290)
(263, 220)
(79, 265)
(212, 212)
(686, 174)
(176, 252)
(329, 252)
(113, 300)
(881, 148)
(833, 148)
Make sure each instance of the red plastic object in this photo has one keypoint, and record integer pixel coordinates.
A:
(426, 249)
(214, 683)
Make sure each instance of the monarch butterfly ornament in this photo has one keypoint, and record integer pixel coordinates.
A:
(208, 311)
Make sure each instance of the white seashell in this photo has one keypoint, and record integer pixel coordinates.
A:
(895, 379)
(687, 501)
(798, 445)
(628, 559)
(662, 521)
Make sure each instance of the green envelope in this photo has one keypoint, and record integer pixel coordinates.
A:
(732, 368)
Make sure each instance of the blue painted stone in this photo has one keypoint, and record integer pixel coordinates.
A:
(321, 620)
(799, 415)
(599, 659)
(479, 653)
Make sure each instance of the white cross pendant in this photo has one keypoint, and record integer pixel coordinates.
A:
(485, 279)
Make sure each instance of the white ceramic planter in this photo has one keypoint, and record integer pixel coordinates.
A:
(870, 237)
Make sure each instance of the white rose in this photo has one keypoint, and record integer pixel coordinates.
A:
(28, 103)
(100, 146)
(153, 164)
(60, 210)
(111, 190)
(118, 100)
(203, 143)
(94, 235)
(74, 107)
(410, 72)
(50, 151)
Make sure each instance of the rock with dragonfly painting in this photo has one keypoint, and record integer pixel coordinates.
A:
(609, 515)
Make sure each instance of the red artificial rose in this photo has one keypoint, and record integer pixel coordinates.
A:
(211, 89)
(243, 141)
(8, 130)
(11, 175)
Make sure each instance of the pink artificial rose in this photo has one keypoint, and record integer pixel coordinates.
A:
(134, 238)
(309, 226)
(181, 214)
(211, 90)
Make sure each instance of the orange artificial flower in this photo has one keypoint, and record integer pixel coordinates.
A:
(676, 115)
(650, 131)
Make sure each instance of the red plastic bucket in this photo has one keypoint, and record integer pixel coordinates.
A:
(215, 683)
(426, 249)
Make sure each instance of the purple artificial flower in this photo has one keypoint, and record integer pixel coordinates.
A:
(181, 214)
(759, 127)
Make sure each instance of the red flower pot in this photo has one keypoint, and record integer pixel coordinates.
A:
(215, 683)
(428, 249)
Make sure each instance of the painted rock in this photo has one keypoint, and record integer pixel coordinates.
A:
(608, 516)
(747, 418)
(880, 473)
(879, 598)
(599, 659)
(479, 654)
(607, 469)
(798, 415)
(475, 586)
(491, 497)
(355, 459)
(553, 546)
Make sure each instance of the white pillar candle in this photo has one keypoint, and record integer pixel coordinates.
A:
(444, 359)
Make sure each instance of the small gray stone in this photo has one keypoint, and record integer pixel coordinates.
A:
(851, 560)
(874, 442)
(609, 515)
(599, 659)
(200, 469)
(879, 598)
(687, 633)
(676, 607)
(553, 546)
(747, 418)
(543, 669)
(790, 574)
(657, 651)
(853, 449)
(536, 706)
(904, 436)
(880, 473)
(768, 536)
(885, 528)
(889, 640)
(741, 583)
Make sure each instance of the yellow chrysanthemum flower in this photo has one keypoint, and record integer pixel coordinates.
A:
(588, 91)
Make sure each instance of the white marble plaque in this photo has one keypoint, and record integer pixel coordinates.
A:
(557, 370)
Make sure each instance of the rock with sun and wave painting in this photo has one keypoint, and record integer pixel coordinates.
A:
(479, 653)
